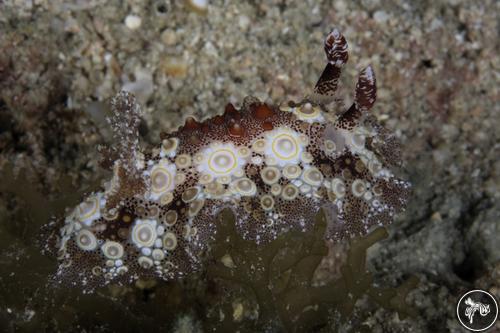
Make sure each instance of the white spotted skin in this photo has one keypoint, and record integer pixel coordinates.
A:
(220, 169)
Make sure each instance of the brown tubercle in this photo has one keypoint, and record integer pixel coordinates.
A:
(267, 126)
(191, 124)
(236, 130)
(230, 113)
(263, 111)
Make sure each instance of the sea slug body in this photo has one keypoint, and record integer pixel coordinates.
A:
(275, 167)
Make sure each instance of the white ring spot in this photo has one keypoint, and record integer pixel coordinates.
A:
(86, 240)
(144, 233)
(112, 250)
(161, 179)
(222, 161)
(338, 187)
(290, 192)
(145, 262)
(285, 147)
(358, 187)
(245, 186)
(169, 241)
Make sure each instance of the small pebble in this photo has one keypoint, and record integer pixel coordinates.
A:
(238, 311)
(174, 66)
(198, 6)
(243, 22)
(436, 217)
(168, 37)
(227, 261)
(380, 16)
(133, 22)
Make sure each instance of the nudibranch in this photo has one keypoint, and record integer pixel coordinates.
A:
(275, 167)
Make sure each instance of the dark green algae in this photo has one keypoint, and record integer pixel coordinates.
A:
(244, 286)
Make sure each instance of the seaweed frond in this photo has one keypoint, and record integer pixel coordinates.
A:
(278, 277)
